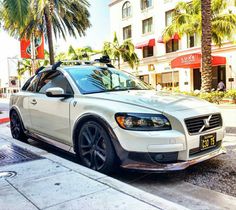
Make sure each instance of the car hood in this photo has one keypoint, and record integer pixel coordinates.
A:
(160, 101)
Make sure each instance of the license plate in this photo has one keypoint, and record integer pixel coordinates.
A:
(208, 141)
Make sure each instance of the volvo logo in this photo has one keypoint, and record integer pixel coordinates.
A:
(207, 122)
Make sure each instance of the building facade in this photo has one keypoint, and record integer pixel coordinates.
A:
(175, 63)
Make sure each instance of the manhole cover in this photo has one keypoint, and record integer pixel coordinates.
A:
(11, 154)
(7, 174)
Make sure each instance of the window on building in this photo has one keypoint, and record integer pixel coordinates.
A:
(146, 4)
(172, 45)
(127, 32)
(169, 17)
(126, 9)
(147, 25)
(193, 40)
(147, 51)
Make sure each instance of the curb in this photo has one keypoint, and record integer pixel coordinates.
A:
(4, 120)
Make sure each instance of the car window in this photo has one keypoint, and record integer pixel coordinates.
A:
(51, 79)
(27, 83)
(31, 87)
(95, 80)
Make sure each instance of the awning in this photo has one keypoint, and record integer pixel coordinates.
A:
(150, 43)
(174, 37)
(194, 61)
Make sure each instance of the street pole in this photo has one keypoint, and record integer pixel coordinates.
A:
(33, 56)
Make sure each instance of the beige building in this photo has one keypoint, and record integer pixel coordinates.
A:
(175, 63)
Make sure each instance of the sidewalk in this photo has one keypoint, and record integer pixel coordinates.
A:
(45, 181)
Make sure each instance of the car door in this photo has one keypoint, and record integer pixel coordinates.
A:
(50, 116)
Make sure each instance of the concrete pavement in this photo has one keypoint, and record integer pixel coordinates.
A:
(53, 183)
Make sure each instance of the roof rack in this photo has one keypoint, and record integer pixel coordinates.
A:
(104, 60)
(39, 69)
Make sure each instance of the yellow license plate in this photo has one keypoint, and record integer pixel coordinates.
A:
(207, 141)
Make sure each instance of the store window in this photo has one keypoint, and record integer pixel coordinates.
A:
(147, 51)
(147, 25)
(172, 45)
(170, 80)
(145, 4)
(144, 78)
(126, 10)
(127, 32)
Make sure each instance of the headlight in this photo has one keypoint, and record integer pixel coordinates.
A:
(142, 122)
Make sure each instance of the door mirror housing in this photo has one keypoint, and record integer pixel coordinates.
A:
(56, 92)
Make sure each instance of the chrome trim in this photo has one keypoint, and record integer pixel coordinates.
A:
(158, 167)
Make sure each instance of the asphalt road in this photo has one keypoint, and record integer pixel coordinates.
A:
(209, 185)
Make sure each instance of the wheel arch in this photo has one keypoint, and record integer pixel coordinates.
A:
(15, 109)
(96, 118)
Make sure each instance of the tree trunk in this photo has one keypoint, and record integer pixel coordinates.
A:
(49, 34)
(206, 46)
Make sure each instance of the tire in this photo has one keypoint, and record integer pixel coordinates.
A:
(95, 149)
(17, 130)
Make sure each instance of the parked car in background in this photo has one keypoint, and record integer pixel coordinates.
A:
(110, 118)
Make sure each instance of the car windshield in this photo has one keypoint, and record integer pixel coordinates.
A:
(99, 79)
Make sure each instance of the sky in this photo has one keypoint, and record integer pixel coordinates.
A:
(95, 36)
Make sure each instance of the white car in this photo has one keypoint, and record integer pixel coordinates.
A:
(110, 118)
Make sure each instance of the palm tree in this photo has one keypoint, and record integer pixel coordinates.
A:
(209, 19)
(206, 45)
(124, 51)
(57, 17)
(14, 15)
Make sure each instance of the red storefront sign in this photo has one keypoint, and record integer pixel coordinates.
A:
(194, 61)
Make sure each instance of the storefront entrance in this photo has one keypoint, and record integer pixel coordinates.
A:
(218, 74)
(197, 80)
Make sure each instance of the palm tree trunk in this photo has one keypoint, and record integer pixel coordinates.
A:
(49, 34)
(206, 46)
(119, 62)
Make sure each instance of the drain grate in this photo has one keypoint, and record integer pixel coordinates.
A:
(11, 154)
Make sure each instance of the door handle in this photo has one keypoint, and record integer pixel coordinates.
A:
(34, 102)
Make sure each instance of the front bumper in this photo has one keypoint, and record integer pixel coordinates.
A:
(159, 167)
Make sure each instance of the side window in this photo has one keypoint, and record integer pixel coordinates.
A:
(27, 83)
(53, 79)
(31, 84)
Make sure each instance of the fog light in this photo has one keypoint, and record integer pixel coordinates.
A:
(159, 157)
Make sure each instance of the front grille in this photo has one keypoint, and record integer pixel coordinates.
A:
(204, 123)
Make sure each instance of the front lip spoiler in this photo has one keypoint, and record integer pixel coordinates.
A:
(158, 167)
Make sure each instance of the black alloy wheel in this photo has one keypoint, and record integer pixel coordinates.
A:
(17, 130)
(95, 148)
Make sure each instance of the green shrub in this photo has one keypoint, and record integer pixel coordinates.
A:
(231, 94)
(213, 97)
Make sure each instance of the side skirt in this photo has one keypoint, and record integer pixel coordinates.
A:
(50, 141)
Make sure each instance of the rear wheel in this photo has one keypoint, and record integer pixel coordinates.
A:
(95, 148)
(17, 130)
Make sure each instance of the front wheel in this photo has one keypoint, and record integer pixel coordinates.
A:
(16, 126)
(95, 148)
